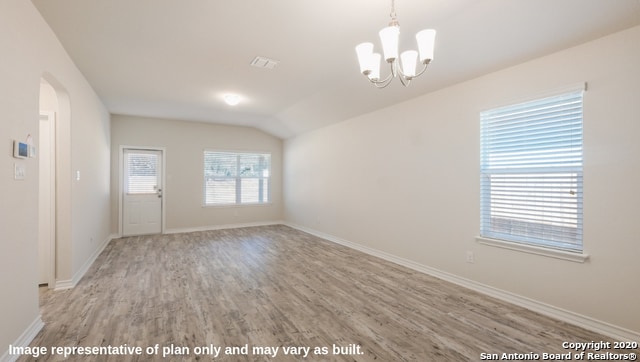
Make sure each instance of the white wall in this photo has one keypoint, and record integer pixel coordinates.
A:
(30, 51)
(405, 180)
(185, 143)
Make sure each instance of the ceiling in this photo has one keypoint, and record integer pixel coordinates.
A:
(174, 59)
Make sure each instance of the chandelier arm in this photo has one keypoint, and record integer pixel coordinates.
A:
(402, 75)
(382, 83)
(404, 80)
(426, 64)
(380, 86)
(386, 81)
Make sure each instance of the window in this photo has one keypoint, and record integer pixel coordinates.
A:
(236, 178)
(531, 172)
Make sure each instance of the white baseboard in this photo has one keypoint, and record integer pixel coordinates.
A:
(222, 227)
(607, 329)
(64, 284)
(68, 284)
(24, 340)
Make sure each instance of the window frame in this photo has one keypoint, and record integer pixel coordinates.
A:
(554, 248)
(237, 178)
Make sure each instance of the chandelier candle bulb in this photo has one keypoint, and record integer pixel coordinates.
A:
(389, 38)
(365, 57)
(409, 59)
(375, 69)
(426, 42)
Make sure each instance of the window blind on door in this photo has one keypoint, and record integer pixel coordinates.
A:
(142, 177)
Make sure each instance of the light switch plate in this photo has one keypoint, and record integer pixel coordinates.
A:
(19, 171)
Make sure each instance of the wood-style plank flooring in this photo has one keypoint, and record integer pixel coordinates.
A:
(275, 286)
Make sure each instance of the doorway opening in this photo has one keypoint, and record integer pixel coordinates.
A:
(46, 199)
(54, 199)
(47, 185)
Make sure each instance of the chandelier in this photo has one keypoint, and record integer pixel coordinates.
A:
(370, 61)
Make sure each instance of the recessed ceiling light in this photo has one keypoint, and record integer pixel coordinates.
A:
(231, 99)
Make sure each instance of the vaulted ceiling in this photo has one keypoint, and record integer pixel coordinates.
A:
(174, 59)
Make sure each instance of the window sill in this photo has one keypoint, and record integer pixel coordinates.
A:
(222, 206)
(576, 257)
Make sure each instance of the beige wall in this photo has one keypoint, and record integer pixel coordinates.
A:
(405, 180)
(185, 143)
(31, 51)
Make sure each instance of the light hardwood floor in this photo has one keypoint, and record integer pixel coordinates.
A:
(276, 286)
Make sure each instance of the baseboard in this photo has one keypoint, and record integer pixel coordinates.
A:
(24, 340)
(607, 329)
(64, 284)
(222, 227)
(68, 284)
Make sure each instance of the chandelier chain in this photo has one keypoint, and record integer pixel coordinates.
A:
(393, 15)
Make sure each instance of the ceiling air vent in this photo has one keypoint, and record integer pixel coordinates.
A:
(266, 63)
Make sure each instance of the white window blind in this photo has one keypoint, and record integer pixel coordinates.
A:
(142, 174)
(236, 178)
(531, 172)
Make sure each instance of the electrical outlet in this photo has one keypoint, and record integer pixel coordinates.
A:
(470, 257)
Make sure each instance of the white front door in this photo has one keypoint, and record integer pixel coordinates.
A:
(142, 192)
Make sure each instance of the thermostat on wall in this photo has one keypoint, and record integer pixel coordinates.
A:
(20, 149)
